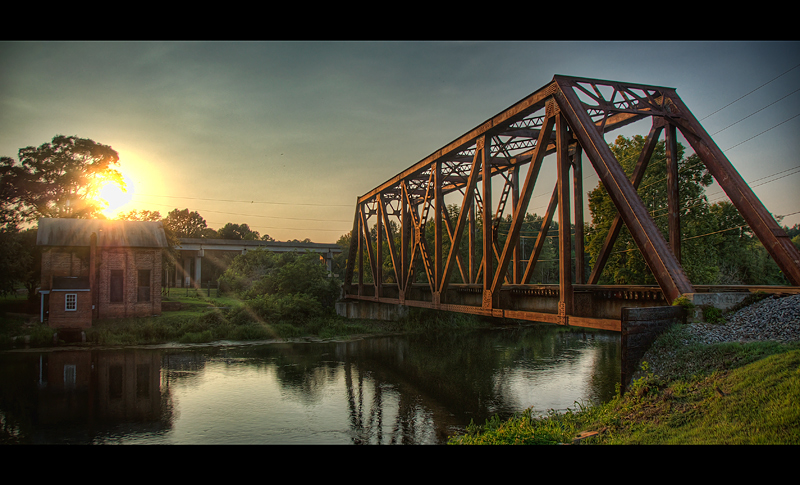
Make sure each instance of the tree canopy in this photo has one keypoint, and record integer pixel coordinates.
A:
(717, 245)
(237, 232)
(184, 223)
(57, 179)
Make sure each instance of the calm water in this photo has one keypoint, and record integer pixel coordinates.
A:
(381, 390)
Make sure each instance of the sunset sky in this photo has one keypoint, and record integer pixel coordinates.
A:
(284, 136)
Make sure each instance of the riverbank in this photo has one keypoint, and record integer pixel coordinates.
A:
(733, 382)
(199, 318)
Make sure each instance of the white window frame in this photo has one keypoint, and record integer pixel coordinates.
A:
(74, 302)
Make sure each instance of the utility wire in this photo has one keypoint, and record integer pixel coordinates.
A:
(751, 92)
(246, 201)
(754, 112)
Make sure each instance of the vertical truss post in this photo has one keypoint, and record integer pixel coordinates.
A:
(360, 238)
(378, 266)
(565, 304)
(672, 191)
(515, 258)
(577, 176)
(437, 221)
(405, 232)
(488, 244)
(471, 231)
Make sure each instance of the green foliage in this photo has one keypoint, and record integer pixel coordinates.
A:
(521, 429)
(20, 262)
(238, 232)
(57, 179)
(717, 246)
(684, 302)
(183, 223)
(291, 287)
(713, 315)
(626, 264)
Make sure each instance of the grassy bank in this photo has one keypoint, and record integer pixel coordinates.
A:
(706, 394)
(204, 319)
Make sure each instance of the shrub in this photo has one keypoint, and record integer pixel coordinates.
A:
(290, 287)
(294, 307)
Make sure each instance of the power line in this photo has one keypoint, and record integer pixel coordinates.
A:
(258, 215)
(779, 124)
(751, 92)
(246, 201)
(754, 112)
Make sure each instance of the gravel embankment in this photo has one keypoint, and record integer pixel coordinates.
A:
(773, 318)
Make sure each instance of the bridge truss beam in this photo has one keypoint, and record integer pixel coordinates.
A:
(568, 118)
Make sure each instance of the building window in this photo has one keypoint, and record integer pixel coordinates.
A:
(144, 285)
(116, 286)
(71, 302)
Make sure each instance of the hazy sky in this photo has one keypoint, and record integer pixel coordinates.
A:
(284, 136)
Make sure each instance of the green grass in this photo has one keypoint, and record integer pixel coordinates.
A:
(714, 394)
(204, 319)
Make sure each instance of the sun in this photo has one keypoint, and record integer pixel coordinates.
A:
(114, 198)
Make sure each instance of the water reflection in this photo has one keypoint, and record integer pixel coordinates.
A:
(383, 390)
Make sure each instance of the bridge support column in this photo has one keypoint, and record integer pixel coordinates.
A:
(721, 301)
(371, 310)
(640, 328)
(197, 269)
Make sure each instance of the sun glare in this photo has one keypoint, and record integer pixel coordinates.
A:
(140, 178)
(116, 198)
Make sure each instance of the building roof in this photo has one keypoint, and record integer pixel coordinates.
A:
(70, 283)
(77, 232)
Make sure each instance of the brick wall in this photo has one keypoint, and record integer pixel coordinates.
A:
(63, 262)
(75, 262)
(81, 317)
(129, 261)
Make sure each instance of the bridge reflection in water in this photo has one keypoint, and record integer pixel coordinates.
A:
(382, 390)
(465, 267)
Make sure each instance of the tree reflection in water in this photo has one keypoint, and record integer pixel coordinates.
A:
(413, 389)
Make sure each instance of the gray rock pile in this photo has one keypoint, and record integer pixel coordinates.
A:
(774, 318)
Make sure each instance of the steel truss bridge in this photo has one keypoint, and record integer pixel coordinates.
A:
(568, 117)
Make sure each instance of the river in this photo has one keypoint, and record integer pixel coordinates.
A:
(408, 389)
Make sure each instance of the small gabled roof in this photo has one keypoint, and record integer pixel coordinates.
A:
(70, 283)
(78, 232)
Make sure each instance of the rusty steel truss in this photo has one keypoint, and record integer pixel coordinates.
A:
(567, 117)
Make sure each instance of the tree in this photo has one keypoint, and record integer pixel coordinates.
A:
(183, 223)
(288, 286)
(20, 262)
(57, 179)
(140, 215)
(626, 264)
(238, 232)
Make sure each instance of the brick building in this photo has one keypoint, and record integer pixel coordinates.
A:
(99, 269)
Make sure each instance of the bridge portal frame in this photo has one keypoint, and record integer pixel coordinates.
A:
(567, 117)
